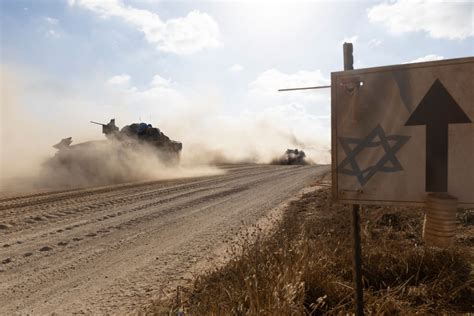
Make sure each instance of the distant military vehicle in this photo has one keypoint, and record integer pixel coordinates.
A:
(121, 152)
(293, 157)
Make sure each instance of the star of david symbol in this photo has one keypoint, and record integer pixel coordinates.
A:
(388, 163)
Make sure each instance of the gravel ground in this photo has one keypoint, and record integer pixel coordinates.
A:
(112, 249)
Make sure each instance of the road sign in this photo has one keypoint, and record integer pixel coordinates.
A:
(401, 132)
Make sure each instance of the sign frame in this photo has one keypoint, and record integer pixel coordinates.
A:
(335, 79)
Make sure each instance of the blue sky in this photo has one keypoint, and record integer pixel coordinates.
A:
(211, 65)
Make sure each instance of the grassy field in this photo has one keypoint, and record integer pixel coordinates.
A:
(304, 266)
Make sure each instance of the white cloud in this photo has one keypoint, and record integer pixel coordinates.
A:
(184, 35)
(352, 39)
(448, 20)
(51, 21)
(51, 28)
(159, 81)
(119, 80)
(430, 57)
(159, 98)
(375, 42)
(236, 68)
(52, 34)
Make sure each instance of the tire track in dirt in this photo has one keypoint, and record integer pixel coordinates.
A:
(94, 205)
(68, 228)
(107, 250)
(60, 196)
(52, 200)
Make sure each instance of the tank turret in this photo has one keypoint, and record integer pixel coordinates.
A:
(108, 129)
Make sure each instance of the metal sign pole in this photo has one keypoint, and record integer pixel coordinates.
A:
(359, 294)
(357, 261)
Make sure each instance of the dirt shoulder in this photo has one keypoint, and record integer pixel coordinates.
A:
(304, 266)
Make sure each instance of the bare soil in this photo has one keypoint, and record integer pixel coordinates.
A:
(113, 249)
(303, 266)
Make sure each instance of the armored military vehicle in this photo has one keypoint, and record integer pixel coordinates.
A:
(293, 157)
(132, 135)
(117, 157)
(144, 134)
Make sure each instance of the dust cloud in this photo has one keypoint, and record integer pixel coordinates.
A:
(21, 147)
(34, 116)
(111, 161)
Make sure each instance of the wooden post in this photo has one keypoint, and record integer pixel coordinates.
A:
(348, 57)
(357, 260)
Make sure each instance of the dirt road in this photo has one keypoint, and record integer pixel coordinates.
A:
(110, 249)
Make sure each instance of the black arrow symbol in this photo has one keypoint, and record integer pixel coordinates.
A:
(437, 110)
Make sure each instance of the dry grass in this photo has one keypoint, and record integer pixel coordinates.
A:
(305, 267)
